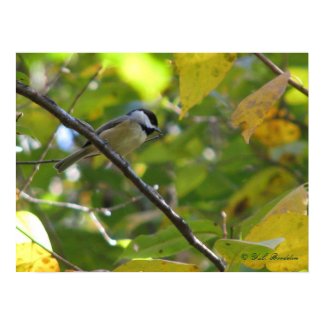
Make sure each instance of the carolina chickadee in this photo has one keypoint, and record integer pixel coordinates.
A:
(124, 134)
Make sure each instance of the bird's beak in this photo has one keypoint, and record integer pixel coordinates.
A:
(158, 130)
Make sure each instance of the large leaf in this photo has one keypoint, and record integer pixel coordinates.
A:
(252, 111)
(155, 266)
(292, 254)
(169, 241)
(30, 257)
(238, 251)
(200, 73)
(292, 201)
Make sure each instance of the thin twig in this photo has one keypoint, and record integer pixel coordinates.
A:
(278, 71)
(224, 224)
(75, 206)
(51, 139)
(78, 207)
(57, 256)
(63, 68)
(101, 229)
(35, 162)
(70, 122)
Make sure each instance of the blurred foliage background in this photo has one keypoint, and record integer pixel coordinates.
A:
(202, 165)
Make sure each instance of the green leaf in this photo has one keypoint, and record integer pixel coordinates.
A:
(155, 266)
(169, 241)
(148, 75)
(22, 77)
(189, 177)
(236, 251)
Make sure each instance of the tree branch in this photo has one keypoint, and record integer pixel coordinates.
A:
(73, 123)
(35, 162)
(75, 206)
(277, 70)
(51, 139)
(90, 211)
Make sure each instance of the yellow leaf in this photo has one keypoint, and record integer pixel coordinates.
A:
(200, 73)
(290, 255)
(252, 111)
(276, 132)
(296, 201)
(30, 257)
(156, 266)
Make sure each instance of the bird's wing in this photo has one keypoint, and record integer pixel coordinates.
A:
(108, 125)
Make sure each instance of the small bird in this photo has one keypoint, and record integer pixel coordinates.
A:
(124, 134)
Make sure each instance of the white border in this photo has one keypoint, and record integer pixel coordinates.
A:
(100, 26)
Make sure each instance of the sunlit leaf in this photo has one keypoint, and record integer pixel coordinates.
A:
(292, 254)
(292, 201)
(200, 73)
(155, 266)
(147, 75)
(30, 257)
(252, 110)
(294, 96)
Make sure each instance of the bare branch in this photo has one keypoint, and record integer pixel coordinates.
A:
(102, 229)
(75, 206)
(224, 224)
(51, 139)
(90, 211)
(278, 71)
(57, 256)
(123, 165)
(35, 162)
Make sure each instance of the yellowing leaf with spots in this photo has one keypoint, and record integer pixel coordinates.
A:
(290, 255)
(276, 132)
(156, 266)
(30, 257)
(252, 111)
(200, 73)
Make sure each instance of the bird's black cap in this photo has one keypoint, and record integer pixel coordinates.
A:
(152, 117)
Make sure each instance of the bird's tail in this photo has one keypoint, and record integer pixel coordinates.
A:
(63, 164)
